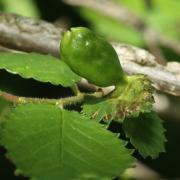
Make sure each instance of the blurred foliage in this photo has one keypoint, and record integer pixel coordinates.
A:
(111, 28)
(22, 7)
(162, 15)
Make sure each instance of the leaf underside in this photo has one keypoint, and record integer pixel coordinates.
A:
(146, 133)
(44, 68)
(46, 142)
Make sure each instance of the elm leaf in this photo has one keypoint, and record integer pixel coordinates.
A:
(146, 133)
(46, 142)
(44, 68)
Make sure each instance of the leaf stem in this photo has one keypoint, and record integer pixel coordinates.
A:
(78, 98)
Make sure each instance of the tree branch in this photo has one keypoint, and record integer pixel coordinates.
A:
(26, 34)
(135, 60)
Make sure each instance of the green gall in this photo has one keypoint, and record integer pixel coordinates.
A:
(91, 57)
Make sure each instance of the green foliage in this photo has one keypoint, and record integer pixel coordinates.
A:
(4, 107)
(163, 16)
(111, 28)
(100, 109)
(44, 68)
(133, 104)
(146, 133)
(138, 6)
(46, 142)
(22, 7)
(126, 101)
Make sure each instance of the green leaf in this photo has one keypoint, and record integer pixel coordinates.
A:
(146, 133)
(44, 68)
(138, 7)
(46, 142)
(4, 108)
(162, 16)
(100, 109)
(166, 17)
(25, 8)
(134, 98)
(128, 100)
